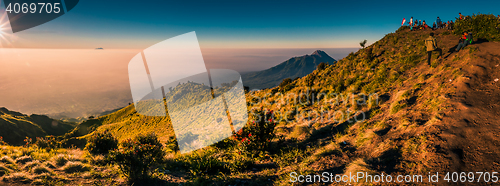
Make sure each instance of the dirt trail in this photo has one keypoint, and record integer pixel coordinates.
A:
(470, 134)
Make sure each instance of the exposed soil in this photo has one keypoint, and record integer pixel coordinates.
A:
(470, 130)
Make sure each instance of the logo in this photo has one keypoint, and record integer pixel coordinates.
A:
(170, 79)
(26, 14)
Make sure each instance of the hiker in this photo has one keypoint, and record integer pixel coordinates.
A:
(425, 25)
(438, 22)
(451, 24)
(460, 16)
(431, 45)
(434, 26)
(420, 22)
(465, 40)
(411, 23)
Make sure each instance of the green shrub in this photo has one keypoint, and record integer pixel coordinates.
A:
(72, 167)
(321, 66)
(286, 84)
(202, 163)
(100, 143)
(136, 156)
(484, 26)
(257, 135)
(47, 143)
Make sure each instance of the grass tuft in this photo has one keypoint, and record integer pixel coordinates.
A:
(72, 167)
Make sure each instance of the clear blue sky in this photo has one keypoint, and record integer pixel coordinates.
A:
(238, 23)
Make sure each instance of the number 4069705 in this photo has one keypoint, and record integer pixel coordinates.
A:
(471, 177)
(34, 8)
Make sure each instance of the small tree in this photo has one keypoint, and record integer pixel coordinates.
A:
(322, 66)
(258, 134)
(363, 43)
(286, 85)
(47, 143)
(100, 143)
(136, 156)
(369, 54)
(2, 142)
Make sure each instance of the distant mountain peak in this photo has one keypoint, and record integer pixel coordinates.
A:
(319, 53)
(292, 68)
(322, 54)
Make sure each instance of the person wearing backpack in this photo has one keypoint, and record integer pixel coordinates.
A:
(439, 23)
(431, 45)
(464, 41)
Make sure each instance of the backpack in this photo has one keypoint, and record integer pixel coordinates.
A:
(470, 39)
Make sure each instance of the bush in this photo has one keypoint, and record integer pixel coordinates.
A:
(369, 54)
(40, 169)
(60, 160)
(322, 66)
(483, 26)
(72, 167)
(257, 135)
(2, 142)
(47, 143)
(100, 143)
(136, 156)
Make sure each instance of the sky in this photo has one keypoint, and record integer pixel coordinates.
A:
(54, 68)
(237, 23)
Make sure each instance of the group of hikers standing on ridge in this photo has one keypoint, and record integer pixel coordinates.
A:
(431, 43)
(415, 24)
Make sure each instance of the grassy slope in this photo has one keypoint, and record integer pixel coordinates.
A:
(16, 126)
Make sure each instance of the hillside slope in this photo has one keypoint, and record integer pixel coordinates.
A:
(292, 68)
(16, 126)
(420, 118)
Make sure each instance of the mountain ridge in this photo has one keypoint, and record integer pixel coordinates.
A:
(292, 68)
(16, 126)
